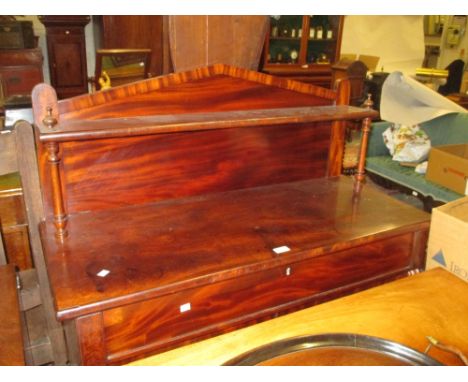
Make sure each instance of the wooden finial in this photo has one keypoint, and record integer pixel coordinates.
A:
(368, 103)
(49, 120)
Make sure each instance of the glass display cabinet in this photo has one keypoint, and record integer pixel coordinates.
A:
(303, 47)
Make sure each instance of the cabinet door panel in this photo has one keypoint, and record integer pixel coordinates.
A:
(66, 48)
(68, 62)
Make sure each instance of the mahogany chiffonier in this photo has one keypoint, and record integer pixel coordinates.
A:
(192, 204)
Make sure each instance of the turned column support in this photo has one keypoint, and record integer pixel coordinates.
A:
(46, 119)
(53, 158)
(60, 216)
(366, 127)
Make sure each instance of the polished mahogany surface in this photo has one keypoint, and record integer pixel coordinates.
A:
(186, 122)
(214, 88)
(169, 246)
(227, 127)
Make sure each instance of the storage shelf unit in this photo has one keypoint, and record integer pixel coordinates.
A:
(303, 47)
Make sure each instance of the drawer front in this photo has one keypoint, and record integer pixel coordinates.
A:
(65, 31)
(171, 320)
(20, 79)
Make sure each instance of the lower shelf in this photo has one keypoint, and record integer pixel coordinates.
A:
(194, 268)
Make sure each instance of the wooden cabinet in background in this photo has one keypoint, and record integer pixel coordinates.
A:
(20, 71)
(355, 71)
(303, 48)
(135, 32)
(66, 48)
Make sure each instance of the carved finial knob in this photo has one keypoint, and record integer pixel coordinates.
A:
(368, 103)
(49, 120)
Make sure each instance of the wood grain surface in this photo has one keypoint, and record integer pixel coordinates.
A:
(214, 88)
(158, 324)
(11, 337)
(173, 245)
(433, 303)
(197, 41)
(144, 169)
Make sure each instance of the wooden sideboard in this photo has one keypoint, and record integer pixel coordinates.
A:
(184, 206)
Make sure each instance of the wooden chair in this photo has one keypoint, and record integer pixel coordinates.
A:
(45, 341)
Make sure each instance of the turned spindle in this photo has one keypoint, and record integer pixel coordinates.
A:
(366, 126)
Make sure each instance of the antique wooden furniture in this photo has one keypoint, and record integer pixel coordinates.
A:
(135, 32)
(66, 49)
(192, 204)
(303, 48)
(355, 72)
(197, 41)
(432, 303)
(121, 66)
(45, 342)
(16, 35)
(11, 338)
(20, 71)
(14, 225)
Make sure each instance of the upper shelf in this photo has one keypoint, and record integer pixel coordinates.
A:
(133, 126)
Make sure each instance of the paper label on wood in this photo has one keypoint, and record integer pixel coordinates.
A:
(282, 249)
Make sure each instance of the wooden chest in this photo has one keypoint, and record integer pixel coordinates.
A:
(20, 70)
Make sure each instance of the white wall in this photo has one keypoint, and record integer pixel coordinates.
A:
(451, 53)
(397, 40)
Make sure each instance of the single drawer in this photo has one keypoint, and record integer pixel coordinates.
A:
(65, 31)
(161, 323)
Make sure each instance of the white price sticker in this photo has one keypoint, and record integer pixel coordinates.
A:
(103, 273)
(185, 307)
(282, 249)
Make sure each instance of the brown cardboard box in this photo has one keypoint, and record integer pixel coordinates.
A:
(448, 238)
(448, 166)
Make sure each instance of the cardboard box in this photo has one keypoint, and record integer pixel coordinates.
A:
(448, 166)
(448, 238)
